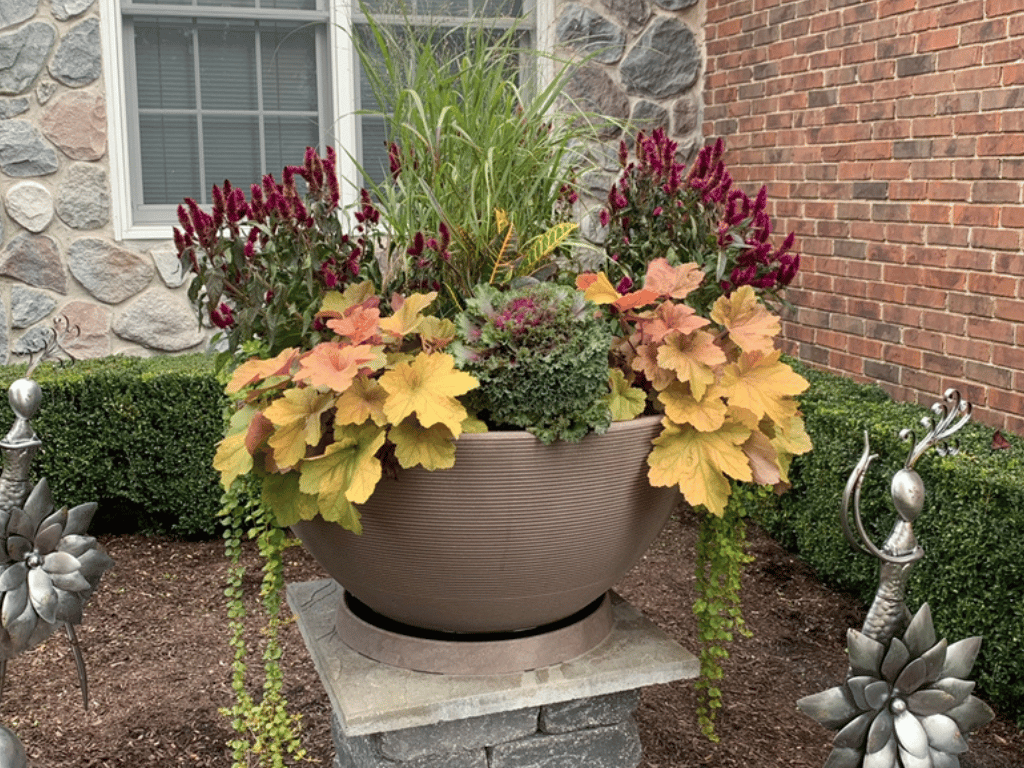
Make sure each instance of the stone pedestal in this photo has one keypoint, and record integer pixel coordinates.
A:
(571, 715)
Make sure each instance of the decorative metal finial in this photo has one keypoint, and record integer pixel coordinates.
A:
(49, 566)
(906, 702)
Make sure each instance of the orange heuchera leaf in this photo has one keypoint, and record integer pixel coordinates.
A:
(407, 316)
(681, 407)
(333, 366)
(646, 362)
(297, 416)
(260, 428)
(671, 317)
(763, 459)
(362, 401)
(763, 385)
(626, 402)
(698, 463)
(358, 324)
(598, 289)
(693, 358)
(750, 325)
(428, 387)
(430, 447)
(254, 370)
(676, 282)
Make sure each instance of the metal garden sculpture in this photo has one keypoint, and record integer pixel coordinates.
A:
(906, 702)
(49, 567)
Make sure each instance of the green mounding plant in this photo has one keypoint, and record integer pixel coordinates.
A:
(480, 184)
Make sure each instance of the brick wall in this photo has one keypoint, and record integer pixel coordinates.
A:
(890, 134)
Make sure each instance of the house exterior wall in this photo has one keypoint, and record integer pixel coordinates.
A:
(890, 134)
(58, 257)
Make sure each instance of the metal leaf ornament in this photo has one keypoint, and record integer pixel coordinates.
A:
(906, 702)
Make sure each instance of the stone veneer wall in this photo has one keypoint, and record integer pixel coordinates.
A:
(57, 253)
(58, 258)
(643, 66)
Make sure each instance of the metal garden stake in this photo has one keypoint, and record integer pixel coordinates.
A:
(906, 702)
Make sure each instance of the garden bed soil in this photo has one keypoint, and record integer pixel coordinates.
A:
(156, 647)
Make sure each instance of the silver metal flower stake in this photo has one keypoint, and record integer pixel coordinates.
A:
(906, 701)
(49, 567)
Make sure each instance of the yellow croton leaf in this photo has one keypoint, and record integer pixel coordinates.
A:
(681, 407)
(698, 462)
(763, 459)
(430, 447)
(750, 325)
(345, 475)
(676, 282)
(297, 417)
(427, 387)
(763, 385)
(408, 314)
(625, 401)
(333, 366)
(693, 358)
(256, 369)
(281, 493)
(361, 401)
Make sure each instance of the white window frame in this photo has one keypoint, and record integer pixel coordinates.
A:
(342, 85)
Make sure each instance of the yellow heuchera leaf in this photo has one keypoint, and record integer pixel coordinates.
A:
(333, 366)
(256, 369)
(407, 316)
(626, 402)
(336, 302)
(345, 474)
(281, 494)
(646, 362)
(428, 387)
(791, 439)
(232, 459)
(435, 333)
(430, 447)
(297, 418)
(677, 282)
(471, 425)
(749, 323)
(692, 357)
(698, 462)
(763, 385)
(681, 407)
(362, 401)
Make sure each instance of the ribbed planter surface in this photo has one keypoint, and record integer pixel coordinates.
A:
(517, 535)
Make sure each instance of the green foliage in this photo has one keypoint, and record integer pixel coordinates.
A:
(267, 734)
(721, 557)
(541, 357)
(136, 436)
(972, 526)
(467, 138)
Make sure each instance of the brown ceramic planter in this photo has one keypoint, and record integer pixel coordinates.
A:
(517, 535)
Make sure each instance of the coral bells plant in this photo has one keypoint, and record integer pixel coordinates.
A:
(659, 209)
(263, 262)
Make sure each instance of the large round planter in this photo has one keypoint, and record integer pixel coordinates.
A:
(517, 535)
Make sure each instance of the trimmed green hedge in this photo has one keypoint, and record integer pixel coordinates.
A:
(136, 436)
(972, 526)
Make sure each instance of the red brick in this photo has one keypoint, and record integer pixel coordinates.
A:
(944, 322)
(989, 374)
(1009, 264)
(1009, 309)
(963, 304)
(996, 191)
(949, 190)
(997, 239)
(986, 122)
(845, 363)
(975, 215)
(999, 145)
(865, 348)
(926, 297)
(975, 79)
(901, 355)
(992, 285)
(992, 330)
(909, 317)
(946, 237)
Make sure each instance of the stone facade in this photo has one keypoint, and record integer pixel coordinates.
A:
(58, 256)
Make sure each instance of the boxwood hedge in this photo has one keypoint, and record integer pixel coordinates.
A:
(137, 436)
(972, 526)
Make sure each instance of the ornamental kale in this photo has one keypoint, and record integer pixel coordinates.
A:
(541, 357)
(658, 210)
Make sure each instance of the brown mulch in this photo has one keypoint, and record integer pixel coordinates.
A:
(155, 641)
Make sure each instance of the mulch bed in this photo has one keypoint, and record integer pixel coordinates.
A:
(155, 642)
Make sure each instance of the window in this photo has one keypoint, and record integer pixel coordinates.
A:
(205, 90)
